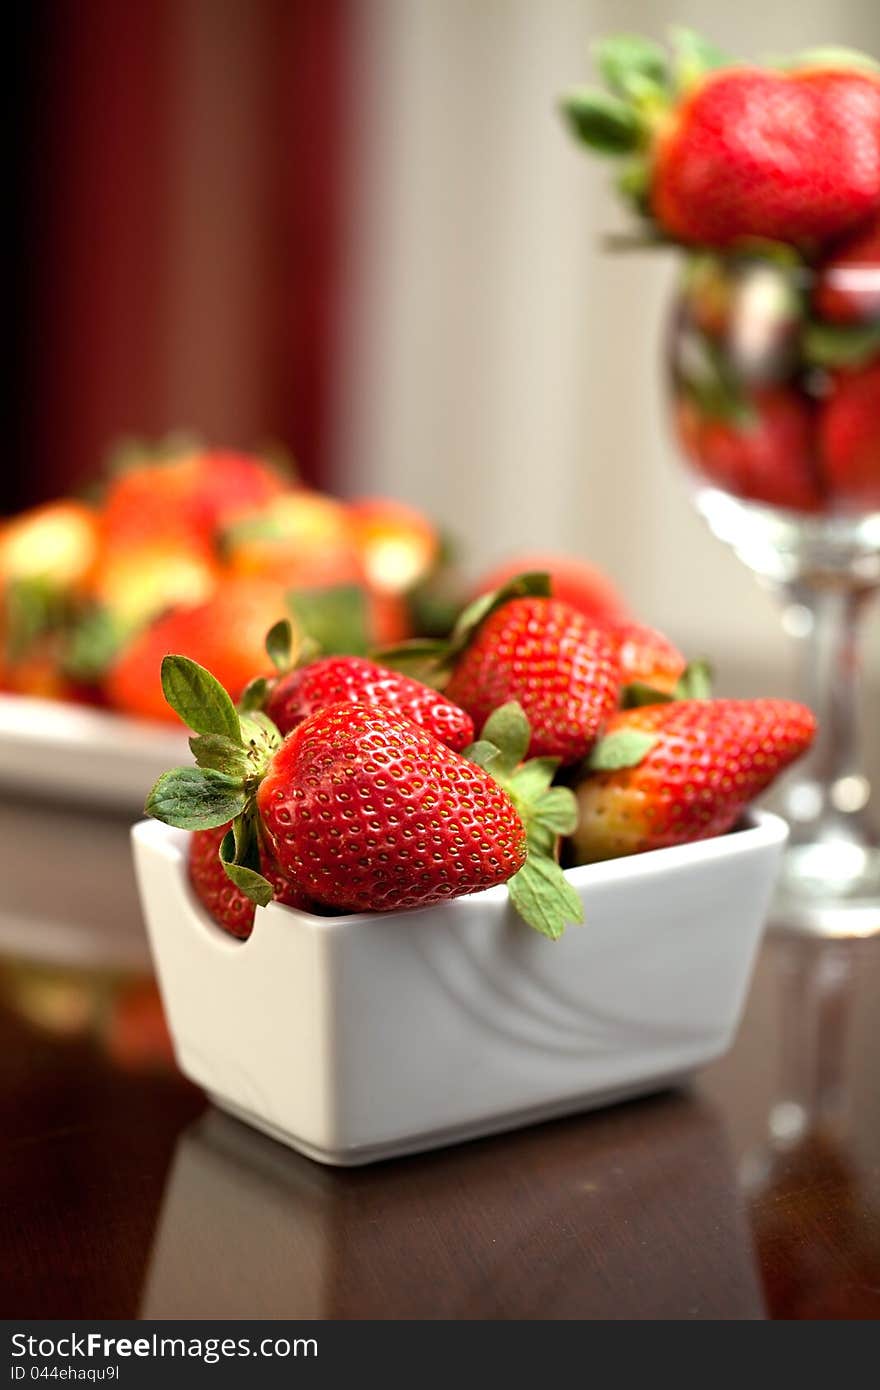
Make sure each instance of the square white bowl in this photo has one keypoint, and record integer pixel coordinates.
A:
(357, 1038)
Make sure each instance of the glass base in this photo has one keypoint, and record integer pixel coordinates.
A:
(828, 889)
(784, 547)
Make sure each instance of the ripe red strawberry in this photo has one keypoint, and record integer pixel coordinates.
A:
(573, 580)
(646, 656)
(230, 908)
(227, 633)
(848, 283)
(191, 497)
(369, 812)
(766, 456)
(561, 667)
(337, 679)
(696, 764)
(792, 157)
(849, 438)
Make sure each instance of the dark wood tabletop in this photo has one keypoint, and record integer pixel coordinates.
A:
(753, 1194)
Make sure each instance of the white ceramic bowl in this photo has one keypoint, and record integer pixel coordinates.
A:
(355, 1038)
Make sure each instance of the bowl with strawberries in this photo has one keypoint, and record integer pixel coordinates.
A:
(766, 179)
(459, 884)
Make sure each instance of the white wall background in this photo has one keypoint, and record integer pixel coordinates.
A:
(503, 367)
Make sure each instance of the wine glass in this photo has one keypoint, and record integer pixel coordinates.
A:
(774, 374)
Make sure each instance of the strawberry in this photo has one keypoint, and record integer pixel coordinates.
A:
(340, 679)
(668, 774)
(230, 908)
(369, 812)
(573, 580)
(763, 454)
(135, 582)
(791, 157)
(561, 667)
(397, 544)
(192, 497)
(847, 286)
(302, 538)
(54, 544)
(849, 438)
(363, 810)
(646, 656)
(228, 631)
(720, 153)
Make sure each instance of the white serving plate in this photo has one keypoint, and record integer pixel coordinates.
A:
(72, 752)
(356, 1038)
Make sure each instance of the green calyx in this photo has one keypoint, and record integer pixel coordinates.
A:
(644, 82)
(540, 892)
(430, 660)
(232, 748)
(841, 346)
(695, 683)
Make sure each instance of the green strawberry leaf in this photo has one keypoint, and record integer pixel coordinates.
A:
(633, 183)
(556, 810)
(483, 753)
(335, 618)
(838, 345)
(94, 641)
(508, 729)
(220, 753)
(198, 698)
(604, 122)
(533, 778)
(634, 67)
(694, 57)
(695, 682)
(249, 881)
(253, 697)
(195, 798)
(279, 645)
(420, 657)
(623, 748)
(639, 693)
(543, 897)
(533, 585)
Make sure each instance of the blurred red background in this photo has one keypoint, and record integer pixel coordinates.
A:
(181, 183)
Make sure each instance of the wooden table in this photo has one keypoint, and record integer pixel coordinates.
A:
(755, 1194)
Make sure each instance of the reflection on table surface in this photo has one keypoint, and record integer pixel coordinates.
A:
(756, 1193)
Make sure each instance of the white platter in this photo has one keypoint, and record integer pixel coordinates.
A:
(73, 753)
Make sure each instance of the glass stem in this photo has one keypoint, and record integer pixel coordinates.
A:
(825, 797)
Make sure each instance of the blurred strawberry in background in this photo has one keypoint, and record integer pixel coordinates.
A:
(197, 551)
(575, 581)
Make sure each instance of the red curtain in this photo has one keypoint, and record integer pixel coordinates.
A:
(124, 268)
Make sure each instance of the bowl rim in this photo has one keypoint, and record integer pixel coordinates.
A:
(758, 829)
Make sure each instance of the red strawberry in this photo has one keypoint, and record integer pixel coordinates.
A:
(368, 812)
(230, 908)
(791, 157)
(848, 283)
(226, 633)
(646, 656)
(559, 665)
(765, 456)
(696, 764)
(362, 809)
(191, 497)
(849, 438)
(573, 580)
(337, 679)
(720, 153)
